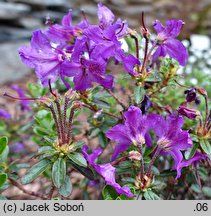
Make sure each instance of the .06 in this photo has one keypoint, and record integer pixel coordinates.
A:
(202, 206)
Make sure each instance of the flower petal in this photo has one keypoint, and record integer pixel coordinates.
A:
(129, 63)
(107, 171)
(119, 133)
(194, 160)
(173, 27)
(67, 19)
(176, 50)
(105, 15)
(121, 147)
(158, 26)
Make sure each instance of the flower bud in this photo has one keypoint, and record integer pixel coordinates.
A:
(201, 91)
(134, 155)
(189, 113)
(190, 95)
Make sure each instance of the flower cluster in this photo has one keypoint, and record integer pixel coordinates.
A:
(171, 139)
(80, 51)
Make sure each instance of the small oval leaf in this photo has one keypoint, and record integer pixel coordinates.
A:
(3, 144)
(86, 171)
(150, 195)
(35, 171)
(3, 179)
(78, 158)
(139, 94)
(59, 172)
(206, 146)
(66, 189)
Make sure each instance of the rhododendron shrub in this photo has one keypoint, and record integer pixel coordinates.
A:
(101, 108)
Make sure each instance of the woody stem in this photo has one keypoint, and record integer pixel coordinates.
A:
(31, 193)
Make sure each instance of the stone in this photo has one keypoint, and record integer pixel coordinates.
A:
(11, 66)
(30, 22)
(13, 33)
(11, 11)
(43, 3)
(133, 10)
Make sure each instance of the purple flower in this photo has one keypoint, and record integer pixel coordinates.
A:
(193, 161)
(106, 171)
(167, 44)
(88, 71)
(171, 138)
(66, 32)
(189, 113)
(191, 96)
(43, 57)
(25, 105)
(4, 114)
(105, 38)
(133, 131)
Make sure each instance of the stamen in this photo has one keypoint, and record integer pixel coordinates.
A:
(50, 88)
(122, 26)
(84, 15)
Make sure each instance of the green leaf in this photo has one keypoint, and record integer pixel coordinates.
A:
(59, 172)
(35, 171)
(4, 154)
(124, 197)
(139, 94)
(103, 140)
(125, 164)
(206, 146)
(66, 189)
(45, 119)
(159, 185)
(77, 145)
(3, 179)
(127, 180)
(36, 90)
(102, 103)
(109, 193)
(203, 173)
(41, 131)
(83, 170)
(150, 195)
(44, 149)
(16, 167)
(3, 144)
(207, 191)
(46, 154)
(155, 170)
(189, 154)
(196, 188)
(2, 197)
(78, 158)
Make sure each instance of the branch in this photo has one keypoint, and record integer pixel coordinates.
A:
(31, 193)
